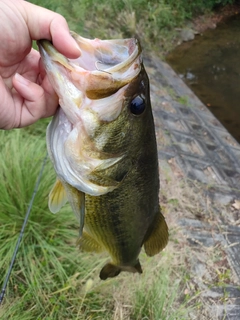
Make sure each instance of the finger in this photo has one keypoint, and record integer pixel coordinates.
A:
(42, 72)
(45, 24)
(62, 39)
(33, 100)
(6, 110)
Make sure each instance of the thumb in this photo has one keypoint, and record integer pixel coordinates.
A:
(45, 24)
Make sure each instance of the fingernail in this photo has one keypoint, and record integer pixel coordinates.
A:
(77, 47)
(22, 80)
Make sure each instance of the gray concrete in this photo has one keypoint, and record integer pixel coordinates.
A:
(204, 152)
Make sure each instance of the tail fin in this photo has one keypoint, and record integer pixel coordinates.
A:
(110, 270)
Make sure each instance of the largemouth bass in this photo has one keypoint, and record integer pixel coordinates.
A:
(103, 147)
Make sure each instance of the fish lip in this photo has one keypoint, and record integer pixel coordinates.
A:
(120, 63)
(46, 48)
(92, 48)
(131, 45)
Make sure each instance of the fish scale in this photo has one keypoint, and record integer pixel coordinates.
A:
(107, 166)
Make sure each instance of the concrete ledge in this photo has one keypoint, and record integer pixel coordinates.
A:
(202, 150)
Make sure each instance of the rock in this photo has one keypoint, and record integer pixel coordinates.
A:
(187, 34)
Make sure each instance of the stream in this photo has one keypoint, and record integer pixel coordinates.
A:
(210, 65)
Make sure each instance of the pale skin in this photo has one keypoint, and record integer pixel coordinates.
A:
(25, 92)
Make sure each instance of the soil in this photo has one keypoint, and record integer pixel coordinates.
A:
(204, 22)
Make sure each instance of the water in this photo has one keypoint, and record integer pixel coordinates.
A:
(210, 65)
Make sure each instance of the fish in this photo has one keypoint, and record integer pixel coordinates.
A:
(102, 144)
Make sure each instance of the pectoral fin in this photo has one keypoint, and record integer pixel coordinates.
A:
(76, 199)
(57, 197)
(157, 236)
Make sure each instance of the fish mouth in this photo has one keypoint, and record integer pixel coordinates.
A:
(103, 67)
(92, 93)
(96, 55)
(107, 55)
(48, 51)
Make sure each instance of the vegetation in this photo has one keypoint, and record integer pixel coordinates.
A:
(51, 279)
(154, 22)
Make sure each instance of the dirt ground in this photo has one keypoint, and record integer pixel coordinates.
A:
(210, 21)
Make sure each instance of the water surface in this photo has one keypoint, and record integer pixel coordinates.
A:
(210, 65)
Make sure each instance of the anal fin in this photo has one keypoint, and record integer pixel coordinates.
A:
(88, 244)
(157, 236)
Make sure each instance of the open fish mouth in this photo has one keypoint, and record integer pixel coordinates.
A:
(103, 67)
(92, 91)
(107, 55)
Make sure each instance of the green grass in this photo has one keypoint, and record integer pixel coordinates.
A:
(47, 259)
(51, 279)
(154, 22)
(158, 294)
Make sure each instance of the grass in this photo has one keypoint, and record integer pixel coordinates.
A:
(47, 259)
(157, 296)
(154, 22)
(51, 279)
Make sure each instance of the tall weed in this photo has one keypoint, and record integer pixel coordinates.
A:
(154, 22)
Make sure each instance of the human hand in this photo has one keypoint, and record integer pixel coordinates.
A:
(25, 92)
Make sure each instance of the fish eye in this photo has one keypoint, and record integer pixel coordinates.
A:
(137, 105)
